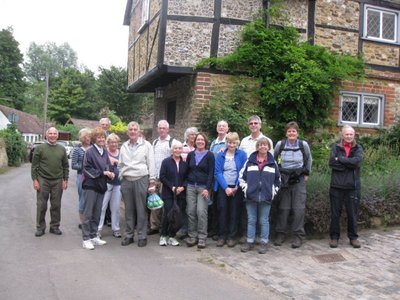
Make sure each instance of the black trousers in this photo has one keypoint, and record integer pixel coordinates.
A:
(351, 201)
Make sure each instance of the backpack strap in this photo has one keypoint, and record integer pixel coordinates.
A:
(278, 157)
(170, 142)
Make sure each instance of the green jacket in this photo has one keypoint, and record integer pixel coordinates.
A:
(50, 162)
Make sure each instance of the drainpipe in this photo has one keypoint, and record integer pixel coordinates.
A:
(266, 6)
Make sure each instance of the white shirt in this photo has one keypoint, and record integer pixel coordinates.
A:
(248, 144)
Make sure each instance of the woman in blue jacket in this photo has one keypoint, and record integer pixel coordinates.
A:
(227, 167)
(260, 181)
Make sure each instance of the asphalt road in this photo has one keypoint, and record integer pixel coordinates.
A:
(57, 267)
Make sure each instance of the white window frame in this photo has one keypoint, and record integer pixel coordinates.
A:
(145, 12)
(360, 109)
(381, 12)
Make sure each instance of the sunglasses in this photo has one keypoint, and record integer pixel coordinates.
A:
(253, 123)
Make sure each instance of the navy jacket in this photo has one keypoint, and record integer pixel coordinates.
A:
(203, 173)
(170, 176)
(260, 185)
(94, 165)
(346, 170)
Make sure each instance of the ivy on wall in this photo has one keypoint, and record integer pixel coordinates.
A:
(299, 80)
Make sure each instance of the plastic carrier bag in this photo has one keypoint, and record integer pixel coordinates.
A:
(154, 201)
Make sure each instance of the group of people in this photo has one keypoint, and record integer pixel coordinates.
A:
(224, 189)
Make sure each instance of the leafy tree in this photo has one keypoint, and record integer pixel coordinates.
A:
(111, 88)
(299, 80)
(12, 85)
(72, 94)
(49, 57)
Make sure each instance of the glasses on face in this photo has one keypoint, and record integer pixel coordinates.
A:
(253, 123)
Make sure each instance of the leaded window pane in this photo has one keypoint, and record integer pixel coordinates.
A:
(349, 108)
(373, 23)
(371, 110)
(388, 29)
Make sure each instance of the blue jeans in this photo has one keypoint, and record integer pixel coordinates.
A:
(80, 192)
(257, 211)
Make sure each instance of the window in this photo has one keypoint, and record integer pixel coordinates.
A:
(381, 24)
(171, 112)
(361, 109)
(145, 13)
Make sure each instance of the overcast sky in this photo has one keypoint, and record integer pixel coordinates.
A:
(93, 28)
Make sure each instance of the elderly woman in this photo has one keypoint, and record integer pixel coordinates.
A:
(188, 145)
(294, 159)
(173, 177)
(96, 172)
(113, 194)
(77, 164)
(260, 181)
(201, 163)
(227, 167)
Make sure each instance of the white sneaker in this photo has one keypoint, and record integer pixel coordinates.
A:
(173, 242)
(163, 241)
(87, 245)
(98, 242)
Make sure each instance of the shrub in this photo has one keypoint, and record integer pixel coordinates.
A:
(15, 145)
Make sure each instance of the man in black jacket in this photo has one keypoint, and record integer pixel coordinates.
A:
(345, 161)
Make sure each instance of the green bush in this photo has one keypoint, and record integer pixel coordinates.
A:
(235, 107)
(15, 145)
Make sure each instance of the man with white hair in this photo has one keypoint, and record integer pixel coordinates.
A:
(162, 150)
(345, 161)
(105, 124)
(50, 170)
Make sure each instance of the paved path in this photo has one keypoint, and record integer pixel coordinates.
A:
(371, 272)
(56, 267)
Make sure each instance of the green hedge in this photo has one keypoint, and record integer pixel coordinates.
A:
(15, 146)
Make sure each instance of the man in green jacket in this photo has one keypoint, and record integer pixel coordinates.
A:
(50, 170)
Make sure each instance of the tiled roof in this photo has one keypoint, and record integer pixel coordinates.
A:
(26, 123)
(80, 123)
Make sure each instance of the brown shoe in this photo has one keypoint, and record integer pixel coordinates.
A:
(231, 243)
(355, 243)
(201, 244)
(333, 243)
(220, 243)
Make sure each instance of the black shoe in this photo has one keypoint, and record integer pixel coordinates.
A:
(80, 226)
(55, 231)
(142, 243)
(127, 241)
(296, 243)
(39, 232)
(152, 231)
(280, 238)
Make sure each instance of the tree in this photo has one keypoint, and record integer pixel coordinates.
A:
(299, 80)
(111, 88)
(72, 94)
(49, 57)
(12, 84)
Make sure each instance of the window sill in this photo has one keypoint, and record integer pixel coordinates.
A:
(143, 27)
